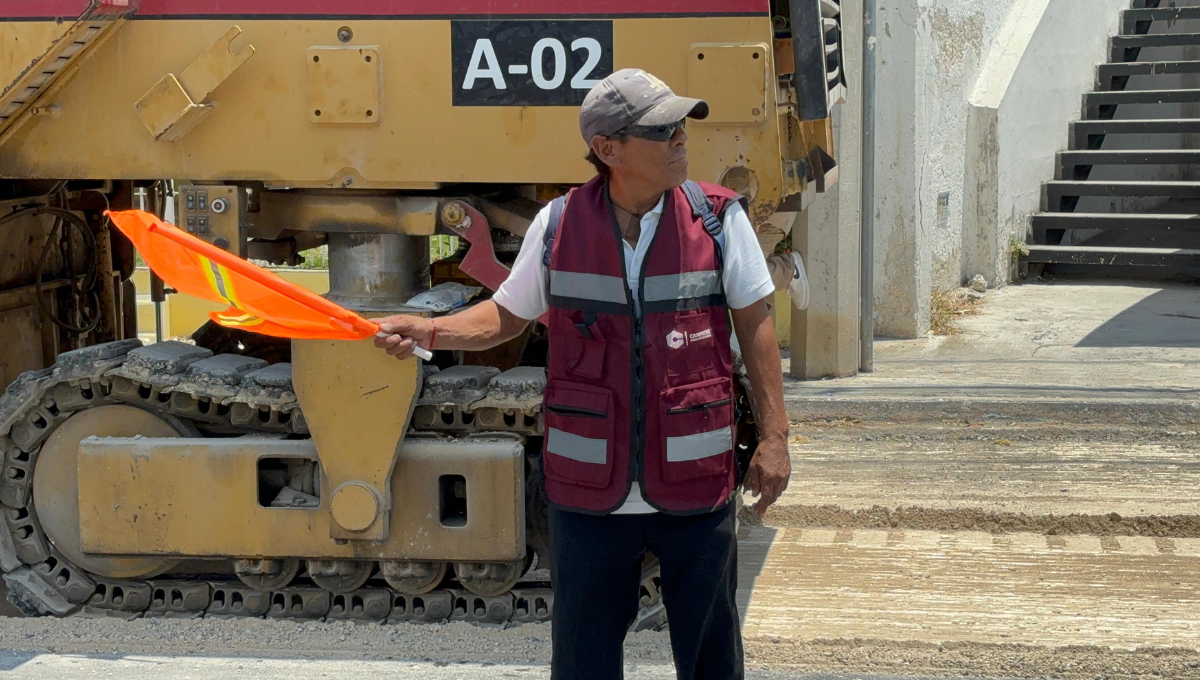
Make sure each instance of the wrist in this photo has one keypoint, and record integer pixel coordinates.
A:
(432, 333)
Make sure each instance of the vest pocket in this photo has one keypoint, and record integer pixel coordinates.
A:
(579, 434)
(585, 360)
(698, 430)
(692, 348)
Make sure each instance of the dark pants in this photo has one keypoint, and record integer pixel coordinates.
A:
(596, 570)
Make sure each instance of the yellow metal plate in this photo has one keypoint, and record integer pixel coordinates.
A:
(199, 498)
(732, 79)
(344, 85)
(358, 402)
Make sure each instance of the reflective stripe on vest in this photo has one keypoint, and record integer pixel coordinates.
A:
(701, 445)
(589, 292)
(677, 292)
(578, 448)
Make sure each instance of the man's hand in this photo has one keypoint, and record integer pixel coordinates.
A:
(769, 472)
(405, 333)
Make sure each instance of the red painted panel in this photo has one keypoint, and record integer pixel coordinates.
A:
(17, 9)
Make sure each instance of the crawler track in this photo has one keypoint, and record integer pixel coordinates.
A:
(228, 395)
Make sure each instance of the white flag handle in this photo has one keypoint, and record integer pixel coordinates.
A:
(418, 350)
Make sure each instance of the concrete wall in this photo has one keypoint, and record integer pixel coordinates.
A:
(931, 57)
(930, 52)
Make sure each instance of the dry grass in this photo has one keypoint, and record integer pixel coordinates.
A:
(947, 308)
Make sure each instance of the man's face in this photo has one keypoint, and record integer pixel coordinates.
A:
(660, 166)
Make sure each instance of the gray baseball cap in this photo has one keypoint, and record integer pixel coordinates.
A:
(633, 97)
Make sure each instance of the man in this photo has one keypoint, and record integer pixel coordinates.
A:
(640, 288)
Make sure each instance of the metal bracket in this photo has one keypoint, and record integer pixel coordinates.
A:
(175, 105)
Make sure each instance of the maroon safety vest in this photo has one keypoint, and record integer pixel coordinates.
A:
(638, 396)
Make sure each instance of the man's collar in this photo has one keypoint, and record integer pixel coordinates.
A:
(656, 210)
(658, 207)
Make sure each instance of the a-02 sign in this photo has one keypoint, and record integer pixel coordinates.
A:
(528, 63)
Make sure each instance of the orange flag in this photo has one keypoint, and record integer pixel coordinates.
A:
(259, 300)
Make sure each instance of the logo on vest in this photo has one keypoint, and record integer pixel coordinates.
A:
(676, 339)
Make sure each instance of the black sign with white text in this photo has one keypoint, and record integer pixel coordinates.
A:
(528, 63)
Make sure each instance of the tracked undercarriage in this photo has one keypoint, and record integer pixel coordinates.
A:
(123, 390)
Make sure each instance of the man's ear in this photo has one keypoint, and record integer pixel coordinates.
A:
(606, 149)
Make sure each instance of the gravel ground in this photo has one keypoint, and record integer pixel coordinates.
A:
(26, 666)
(528, 646)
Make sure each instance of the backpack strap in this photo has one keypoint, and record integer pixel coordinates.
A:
(703, 208)
(557, 206)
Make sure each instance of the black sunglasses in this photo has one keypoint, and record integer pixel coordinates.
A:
(654, 133)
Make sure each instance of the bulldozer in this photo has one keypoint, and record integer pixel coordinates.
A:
(229, 474)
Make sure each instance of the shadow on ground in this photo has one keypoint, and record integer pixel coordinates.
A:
(1168, 318)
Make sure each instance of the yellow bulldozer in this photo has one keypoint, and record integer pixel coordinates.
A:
(233, 475)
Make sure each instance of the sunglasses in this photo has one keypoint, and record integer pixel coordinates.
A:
(654, 133)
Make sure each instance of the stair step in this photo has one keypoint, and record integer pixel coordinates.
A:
(1147, 68)
(1093, 99)
(1128, 42)
(1058, 189)
(1131, 16)
(1136, 127)
(1124, 221)
(1068, 159)
(1140, 257)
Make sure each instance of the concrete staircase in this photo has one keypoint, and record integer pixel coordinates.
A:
(1090, 220)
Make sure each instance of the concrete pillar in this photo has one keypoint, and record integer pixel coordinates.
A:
(825, 336)
(903, 276)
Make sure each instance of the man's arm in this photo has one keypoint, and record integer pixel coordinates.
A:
(481, 327)
(771, 466)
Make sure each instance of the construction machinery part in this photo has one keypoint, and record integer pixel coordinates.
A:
(55, 483)
(283, 212)
(489, 579)
(375, 273)
(411, 577)
(30, 93)
(367, 604)
(176, 104)
(357, 402)
(41, 588)
(266, 574)
(470, 225)
(340, 576)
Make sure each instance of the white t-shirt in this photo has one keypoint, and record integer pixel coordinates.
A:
(746, 278)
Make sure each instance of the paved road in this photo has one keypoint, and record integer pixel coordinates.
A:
(20, 665)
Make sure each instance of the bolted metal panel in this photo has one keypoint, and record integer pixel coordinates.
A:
(204, 502)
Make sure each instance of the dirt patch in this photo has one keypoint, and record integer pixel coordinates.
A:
(971, 659)
(945, 310)
(930, 519)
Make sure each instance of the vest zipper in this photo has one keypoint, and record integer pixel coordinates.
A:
(635, 359)
(575, 411)
(699, 407)
(640, 345)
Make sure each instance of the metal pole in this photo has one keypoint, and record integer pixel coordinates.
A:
(866, 333)
(158, 292)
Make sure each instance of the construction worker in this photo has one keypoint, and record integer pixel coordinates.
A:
(644, 277)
